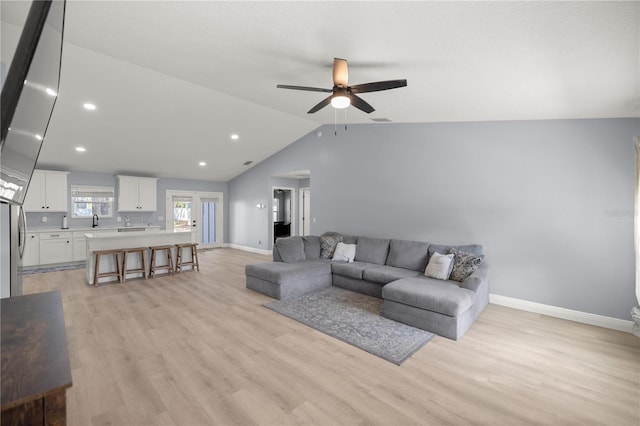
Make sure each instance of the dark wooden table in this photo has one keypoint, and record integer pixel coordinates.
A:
(35, 360)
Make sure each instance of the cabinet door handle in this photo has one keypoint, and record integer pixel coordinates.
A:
(54, 235)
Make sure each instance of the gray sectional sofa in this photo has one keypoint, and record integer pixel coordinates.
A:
(386, 268)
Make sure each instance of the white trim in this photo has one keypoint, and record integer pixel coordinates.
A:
(557, 312)
(249, 249)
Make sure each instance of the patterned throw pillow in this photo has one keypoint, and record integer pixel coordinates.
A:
(464, 264)
(328, 243)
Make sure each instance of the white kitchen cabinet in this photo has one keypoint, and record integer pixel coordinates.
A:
(31, 256)
(47, 192)
(79, 246)
(137, 194)
(56, 247)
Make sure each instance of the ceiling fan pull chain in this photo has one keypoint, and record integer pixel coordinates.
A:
(335, 122)
(345, 119)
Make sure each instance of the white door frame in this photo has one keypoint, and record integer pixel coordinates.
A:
(293, 209)
(197, 196)
(303, 216)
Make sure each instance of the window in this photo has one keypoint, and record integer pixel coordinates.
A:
(89, 200)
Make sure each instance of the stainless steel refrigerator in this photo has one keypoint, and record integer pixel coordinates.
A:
(29, 93)
(12, 241)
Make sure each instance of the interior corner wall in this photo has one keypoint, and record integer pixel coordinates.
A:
(550, 200)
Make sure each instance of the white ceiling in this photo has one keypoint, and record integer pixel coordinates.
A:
(172, 80)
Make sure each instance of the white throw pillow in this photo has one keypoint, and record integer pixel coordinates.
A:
(439, 266)
(346, 252)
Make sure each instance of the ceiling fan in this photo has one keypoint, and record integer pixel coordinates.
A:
(343, 95)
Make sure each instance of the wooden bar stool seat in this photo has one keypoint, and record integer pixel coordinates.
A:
(143, 266)
(181, 263)
(153, 262)
(97, 274)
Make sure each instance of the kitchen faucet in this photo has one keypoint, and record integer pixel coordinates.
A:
(95, 221)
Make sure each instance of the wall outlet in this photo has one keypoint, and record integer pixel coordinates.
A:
(119, 219)
(313, 220)
(160, 218)
(43, 219)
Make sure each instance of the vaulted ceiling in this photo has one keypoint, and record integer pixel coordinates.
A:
(172, 80)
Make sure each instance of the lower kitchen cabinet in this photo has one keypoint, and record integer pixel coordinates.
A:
(56, 247)
(31, 256)
(79, 246)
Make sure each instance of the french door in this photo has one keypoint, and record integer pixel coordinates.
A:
(197, 212)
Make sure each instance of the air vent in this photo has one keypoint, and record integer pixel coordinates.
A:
(381, 120)
(246, 163)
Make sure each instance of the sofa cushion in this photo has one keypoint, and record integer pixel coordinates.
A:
(444, 297)
(372, 250)
(311, 246)
(444, 249)
(386, 274)
(351, 270)
(345, 252)
(440, 266)
(349, 239)
(280, 272)
(464, 264)
(408, 254)
(291, 249)
(328, 243)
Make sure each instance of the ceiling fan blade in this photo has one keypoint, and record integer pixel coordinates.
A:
(321, 105)
(361, 104)
(340, 72)
(308, 89)
(377, 86)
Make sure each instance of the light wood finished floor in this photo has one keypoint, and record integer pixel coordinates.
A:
(199, 349)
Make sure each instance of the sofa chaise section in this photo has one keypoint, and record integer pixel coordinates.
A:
(441, 307)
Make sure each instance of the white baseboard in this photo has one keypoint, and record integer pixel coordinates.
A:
(568, 314)
(249, 249)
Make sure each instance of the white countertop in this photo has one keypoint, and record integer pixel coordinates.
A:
(127, 233)
(99, 229)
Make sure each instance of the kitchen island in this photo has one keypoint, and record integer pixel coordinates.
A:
(121, 240)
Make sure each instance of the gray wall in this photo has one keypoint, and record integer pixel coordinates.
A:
(54, 220)
(552, 201)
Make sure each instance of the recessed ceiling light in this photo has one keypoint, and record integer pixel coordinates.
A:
(39, 137)
(235, 136)
(80, 149)
(202, 164)
(51, 92)
(89, 106)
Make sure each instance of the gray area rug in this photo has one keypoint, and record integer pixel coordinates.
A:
(354, 318)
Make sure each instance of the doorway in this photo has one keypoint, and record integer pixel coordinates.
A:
(283, 212)
(197, 212)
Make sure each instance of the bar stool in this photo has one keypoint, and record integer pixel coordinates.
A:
(143, 267)
(180, 263)
(154, 267)
(97, 274)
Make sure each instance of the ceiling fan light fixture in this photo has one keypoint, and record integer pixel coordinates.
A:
(340, 101)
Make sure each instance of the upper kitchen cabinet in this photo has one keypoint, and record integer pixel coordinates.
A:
(137, 194)
(47, 192)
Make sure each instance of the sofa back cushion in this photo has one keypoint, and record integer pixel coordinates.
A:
(444, 249)
(372, 250)
(412, 255)
(290, 249)
(311, 246)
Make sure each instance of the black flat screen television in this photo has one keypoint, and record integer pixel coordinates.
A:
(29, 94)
